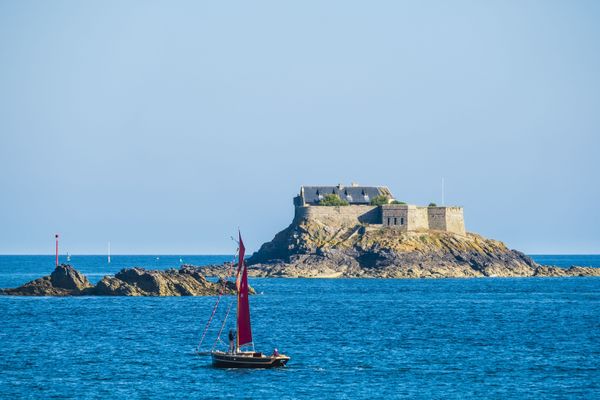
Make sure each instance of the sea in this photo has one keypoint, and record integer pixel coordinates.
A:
(504, 338)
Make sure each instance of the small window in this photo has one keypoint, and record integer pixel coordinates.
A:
(402, 221)
(389, 220)
(395, 221)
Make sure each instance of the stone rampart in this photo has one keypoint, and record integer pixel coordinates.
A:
(436, 217)
(404, 217)
(340, 215)
(449, 219)
(396, 216)
(419, 219)
(455, 220)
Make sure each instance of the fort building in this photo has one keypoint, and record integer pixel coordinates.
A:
(360, 209)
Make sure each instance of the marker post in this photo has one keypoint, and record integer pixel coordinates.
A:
(56, 237)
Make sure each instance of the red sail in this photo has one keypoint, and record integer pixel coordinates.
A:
(244, 330)
(240, 261)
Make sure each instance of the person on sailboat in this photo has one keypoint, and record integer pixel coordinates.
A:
(231, 340)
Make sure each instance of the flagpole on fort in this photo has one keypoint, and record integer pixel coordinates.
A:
(443, 202)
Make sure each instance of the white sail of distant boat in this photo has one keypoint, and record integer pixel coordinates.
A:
(109, 252)
(68, 257)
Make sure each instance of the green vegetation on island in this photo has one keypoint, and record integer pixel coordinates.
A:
(332, 200)
(380, 200)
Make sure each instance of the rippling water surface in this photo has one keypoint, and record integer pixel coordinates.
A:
(348, 338)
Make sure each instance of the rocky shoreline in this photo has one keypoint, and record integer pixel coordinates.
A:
(311, 249)
(319, 268)
(67, 281)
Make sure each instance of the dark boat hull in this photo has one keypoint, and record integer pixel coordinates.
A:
(247, 360)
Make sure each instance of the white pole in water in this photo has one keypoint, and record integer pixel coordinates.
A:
(109, 252)
(443, 203)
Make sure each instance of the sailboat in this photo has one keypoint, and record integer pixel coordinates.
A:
(236, 356)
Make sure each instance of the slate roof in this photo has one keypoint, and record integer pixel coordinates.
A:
(352, 194)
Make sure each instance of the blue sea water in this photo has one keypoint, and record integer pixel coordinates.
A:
(564, 261)
(348, 338)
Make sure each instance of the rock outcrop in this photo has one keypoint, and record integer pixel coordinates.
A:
(139, 282)
(63, 281)
(549, 271)
(67, 281)
(312, 248)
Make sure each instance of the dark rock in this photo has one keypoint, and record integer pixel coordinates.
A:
(63, 281)
(39, 287)
(66, 281)
(66, 277)
(111, 286)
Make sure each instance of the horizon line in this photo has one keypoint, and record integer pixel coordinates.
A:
(112, 254)
(225, 255)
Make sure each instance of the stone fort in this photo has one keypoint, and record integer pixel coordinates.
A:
(391, 214)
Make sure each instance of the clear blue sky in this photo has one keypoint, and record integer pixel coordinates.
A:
(162, 126)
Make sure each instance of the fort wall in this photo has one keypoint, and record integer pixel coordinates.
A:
(450, 219)
(340, 215)
(455, 220)
(396, 216)
(436, 217)
(403, 217)
(419, 219)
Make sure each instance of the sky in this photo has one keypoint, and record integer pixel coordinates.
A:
(163, 126)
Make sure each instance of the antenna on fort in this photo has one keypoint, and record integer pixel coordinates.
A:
(443, 203)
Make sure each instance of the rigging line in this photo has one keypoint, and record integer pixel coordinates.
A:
(213, 311)
(230, 273)
(208, 322)
(223, 285)
(222, 326)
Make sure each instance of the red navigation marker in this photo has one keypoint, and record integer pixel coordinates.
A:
(56, 237)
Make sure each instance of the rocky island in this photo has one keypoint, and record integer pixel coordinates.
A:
(337, 232)
(360, 231)
(67, 281)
